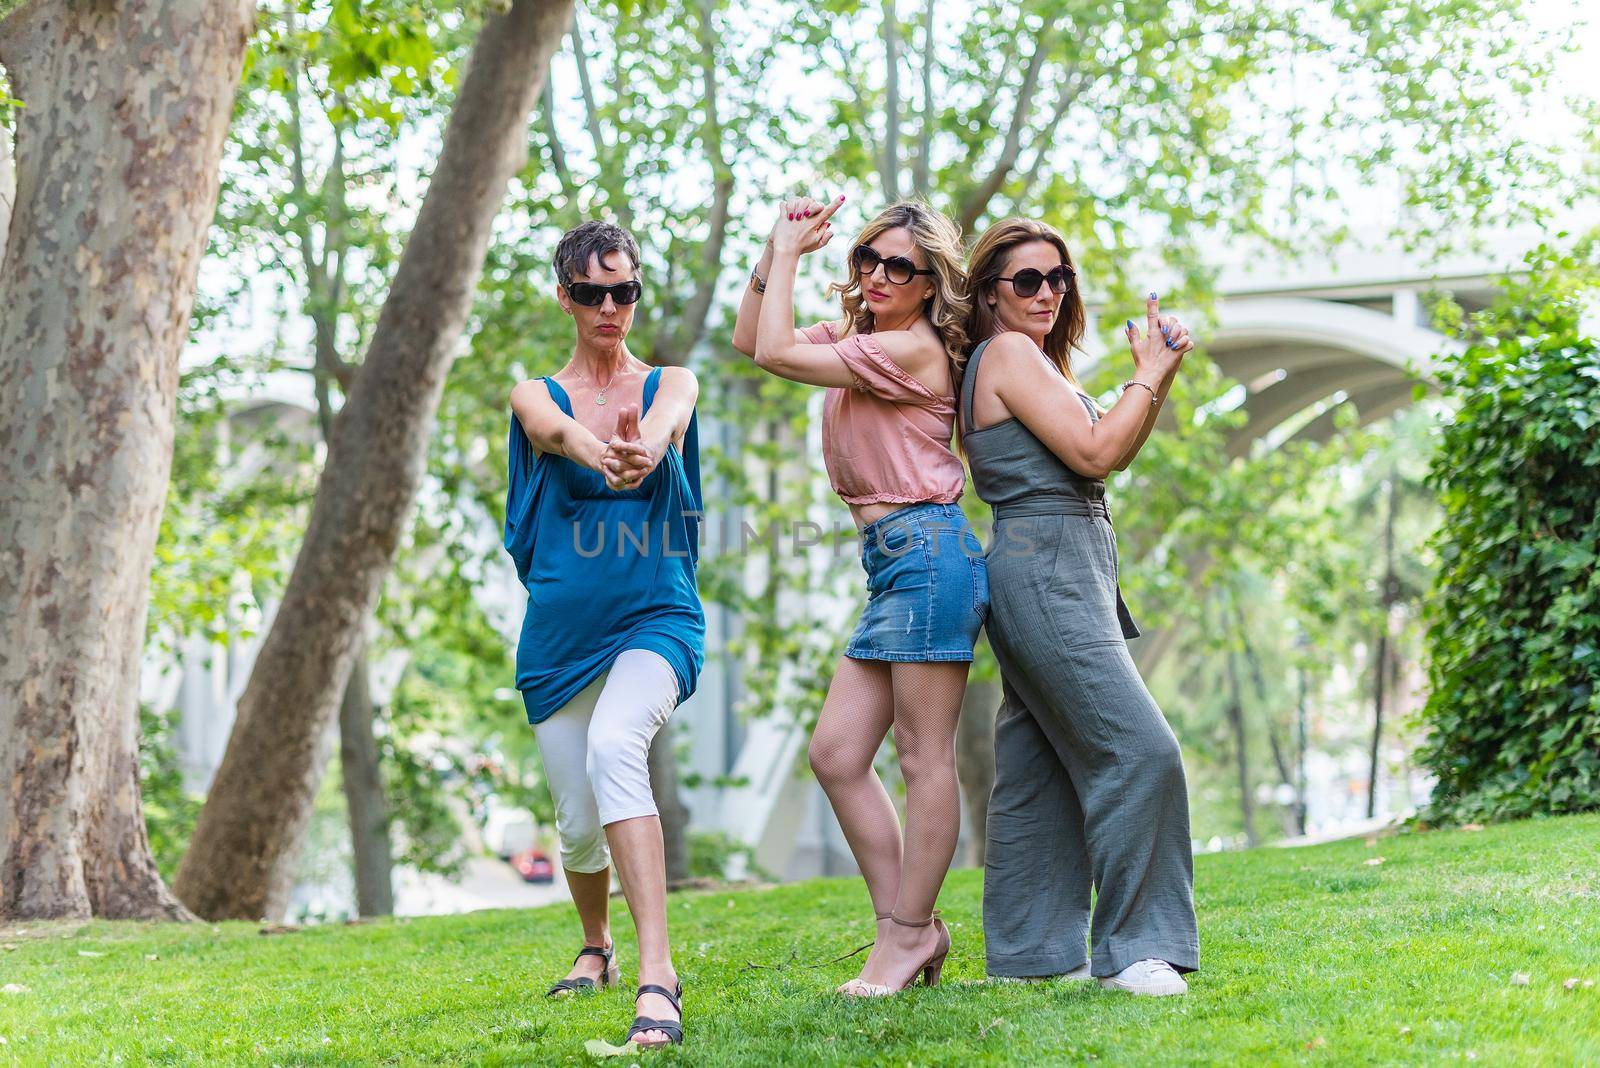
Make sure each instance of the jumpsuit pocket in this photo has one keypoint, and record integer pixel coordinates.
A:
(1130, 629)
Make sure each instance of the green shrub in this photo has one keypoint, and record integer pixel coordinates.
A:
(1514, 618)
(710, 852)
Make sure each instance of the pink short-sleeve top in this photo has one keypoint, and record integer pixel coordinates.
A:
(887, 440)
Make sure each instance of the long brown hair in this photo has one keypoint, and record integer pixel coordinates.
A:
(939, 240)
(988, 262)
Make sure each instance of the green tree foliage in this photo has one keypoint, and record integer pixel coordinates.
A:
(1514, 620)
(169, 809)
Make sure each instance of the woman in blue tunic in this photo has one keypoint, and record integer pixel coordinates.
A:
(602, 520)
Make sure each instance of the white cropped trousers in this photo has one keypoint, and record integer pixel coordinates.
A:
(596, 751)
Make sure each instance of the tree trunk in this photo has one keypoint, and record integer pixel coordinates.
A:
(673, 346)
(1379, 676)
(1389, 596)
(242, 857)
(1247, 803)
(127, 106)
(891, 102)
(1280, 758)
(363, 796)
(919, 182)
(669, 802)
(975, 763)
(1301, 750)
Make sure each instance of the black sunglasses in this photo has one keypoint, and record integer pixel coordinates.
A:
(898, 269)
(592, 294)
(1026, 282)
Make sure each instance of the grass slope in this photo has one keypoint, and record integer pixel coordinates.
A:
(1456, 947)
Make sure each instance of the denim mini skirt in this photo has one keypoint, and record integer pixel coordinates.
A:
(927, 586)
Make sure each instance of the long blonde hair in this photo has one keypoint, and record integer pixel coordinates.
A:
(939, 240)
(988, 263)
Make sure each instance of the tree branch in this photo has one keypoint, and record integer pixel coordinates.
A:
(675, 347)
(591, 113)
(977, 199)
(846, 67)
(558, 155)
(335, 257)
(1072, 87)
(891, 106)
(919, 181)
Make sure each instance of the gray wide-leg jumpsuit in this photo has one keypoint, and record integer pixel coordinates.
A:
(1089, 787)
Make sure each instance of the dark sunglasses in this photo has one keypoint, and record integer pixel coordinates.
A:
(1026, 282)
(898, 269)
(591, 294)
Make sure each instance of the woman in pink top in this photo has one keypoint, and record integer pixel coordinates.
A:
(891, 365)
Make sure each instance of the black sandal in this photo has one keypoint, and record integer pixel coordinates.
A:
(673, 1029)
(609, 975)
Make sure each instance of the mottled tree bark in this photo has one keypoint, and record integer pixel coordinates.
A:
(127, 105)
(241, 860)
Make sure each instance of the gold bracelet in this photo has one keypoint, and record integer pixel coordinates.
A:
(757, 283)
(1134, 382)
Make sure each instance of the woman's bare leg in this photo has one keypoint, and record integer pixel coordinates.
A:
(638, 853)
(591, 893)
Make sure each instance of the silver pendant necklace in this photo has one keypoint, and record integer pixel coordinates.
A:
(600, 391)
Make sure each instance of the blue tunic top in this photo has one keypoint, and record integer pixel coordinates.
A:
(606, 570)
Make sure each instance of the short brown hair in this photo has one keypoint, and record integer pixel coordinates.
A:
(593, 238)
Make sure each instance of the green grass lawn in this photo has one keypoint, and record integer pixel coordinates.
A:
(1458, 946)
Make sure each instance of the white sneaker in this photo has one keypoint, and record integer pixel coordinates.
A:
(1080, 972)
(1155, 978)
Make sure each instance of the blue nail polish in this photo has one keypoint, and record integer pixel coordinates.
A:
(1130, 324)
(1152, 294)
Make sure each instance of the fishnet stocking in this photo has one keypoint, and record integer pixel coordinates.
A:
(855, 718)
(922, 703)
(927, 705)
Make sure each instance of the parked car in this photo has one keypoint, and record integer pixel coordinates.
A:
(534, 866)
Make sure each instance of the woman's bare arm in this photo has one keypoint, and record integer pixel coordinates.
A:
(669, 413)
(552, 430)
(1033, 390)
(744, 325)
(1176, 335)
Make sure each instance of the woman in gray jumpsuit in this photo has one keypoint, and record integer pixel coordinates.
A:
(1089, 787)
